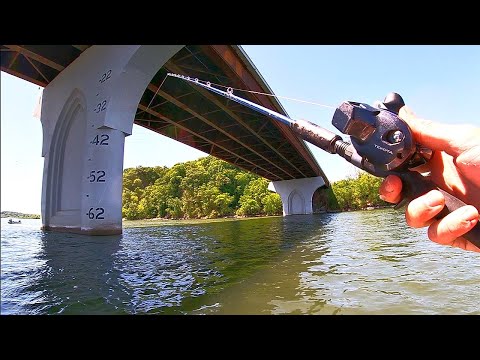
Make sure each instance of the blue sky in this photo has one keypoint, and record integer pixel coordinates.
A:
(441, 83)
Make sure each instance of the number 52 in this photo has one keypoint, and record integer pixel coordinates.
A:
(99, 178)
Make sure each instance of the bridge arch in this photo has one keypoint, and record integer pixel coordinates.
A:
(320, 200)
(62, 174)
(296, 203)
(298, 195)
(87, 111)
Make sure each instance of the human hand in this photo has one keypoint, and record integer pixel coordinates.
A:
(454, 167)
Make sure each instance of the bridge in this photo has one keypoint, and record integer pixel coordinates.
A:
(95, 93)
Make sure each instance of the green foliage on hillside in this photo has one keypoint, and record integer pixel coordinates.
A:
(212, 188)
(204, 188)
(357, 193)
(17, 215)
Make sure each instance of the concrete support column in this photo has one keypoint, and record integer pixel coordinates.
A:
(102, 181)
(297, 194)
(87, 111)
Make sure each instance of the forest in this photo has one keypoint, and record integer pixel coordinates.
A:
(212, 188)
(356, 193)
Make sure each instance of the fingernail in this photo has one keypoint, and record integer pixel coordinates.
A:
(388, 185)
(469, 213)
(434, 199)
(405, 113)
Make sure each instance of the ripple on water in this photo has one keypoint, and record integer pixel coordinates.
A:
(345, 263)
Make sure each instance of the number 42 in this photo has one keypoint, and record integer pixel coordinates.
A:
(104, 140)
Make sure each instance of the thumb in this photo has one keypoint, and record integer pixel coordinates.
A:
(453, 139)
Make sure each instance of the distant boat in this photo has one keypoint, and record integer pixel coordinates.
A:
(11, 221)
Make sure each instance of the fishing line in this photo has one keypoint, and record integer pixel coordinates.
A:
(230, 89)
(156, 92)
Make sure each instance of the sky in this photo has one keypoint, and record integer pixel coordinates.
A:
(441, 83)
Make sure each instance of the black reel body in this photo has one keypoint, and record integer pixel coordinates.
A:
(380, 137)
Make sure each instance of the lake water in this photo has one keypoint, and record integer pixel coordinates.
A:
(366, 262)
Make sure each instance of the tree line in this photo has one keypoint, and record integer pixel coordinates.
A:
(203, 188)
(19, 215)
(212, 188)
(356, 193)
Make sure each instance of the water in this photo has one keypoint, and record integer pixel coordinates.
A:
(346, 263)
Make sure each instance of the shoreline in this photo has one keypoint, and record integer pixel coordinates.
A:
(162, 221)
(18, 215)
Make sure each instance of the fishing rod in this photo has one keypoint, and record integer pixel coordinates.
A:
(381, 144)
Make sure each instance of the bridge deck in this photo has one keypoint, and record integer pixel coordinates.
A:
(191, 114)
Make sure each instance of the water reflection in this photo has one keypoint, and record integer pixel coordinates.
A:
(79, 276)
(277, 284)
(181, 269)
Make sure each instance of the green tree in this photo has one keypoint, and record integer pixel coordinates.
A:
(210, 187)
(249, 206)
(174, 208)
(222, 204)
(357, 192)
(272, 204)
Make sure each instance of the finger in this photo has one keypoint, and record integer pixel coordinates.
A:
(422, 210)
(423, 168)
(445, 231)
(464, 244)
(453, 139)
(468, 163)
(391, 189)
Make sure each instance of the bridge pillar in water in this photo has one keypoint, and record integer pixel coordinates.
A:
(297, 195)
(87, 111)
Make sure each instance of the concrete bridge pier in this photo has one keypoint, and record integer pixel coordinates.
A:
(297, 194)
(87, 111)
